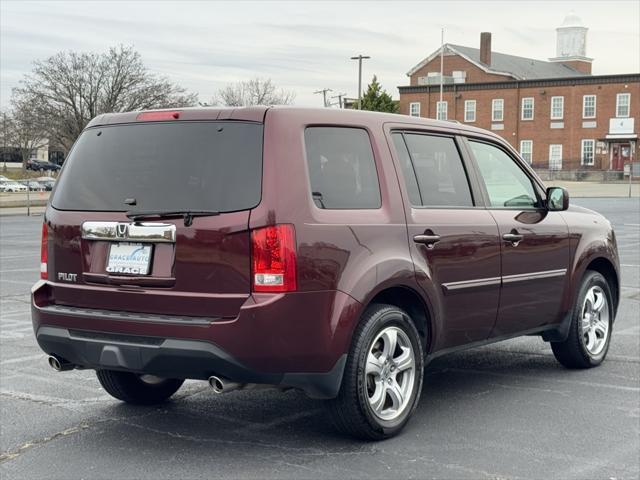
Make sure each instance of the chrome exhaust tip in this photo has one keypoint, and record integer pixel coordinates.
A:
(59, 364)
(222, 385)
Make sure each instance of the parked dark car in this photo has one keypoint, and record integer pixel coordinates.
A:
(331, 251)
(38, 166)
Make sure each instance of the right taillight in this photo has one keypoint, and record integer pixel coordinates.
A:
(274, 259)
(44, 254)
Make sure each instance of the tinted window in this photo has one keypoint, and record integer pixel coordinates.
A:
(342, 171)
(441, 176)
(407, 169)
(164, 166)
(507, 184)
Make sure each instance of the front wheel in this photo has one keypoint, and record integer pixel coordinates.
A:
(590, 331)
(382, 380)
(138, 389)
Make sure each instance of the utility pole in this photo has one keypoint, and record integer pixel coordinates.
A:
(339, 97)
(324, 94)
(360, 58)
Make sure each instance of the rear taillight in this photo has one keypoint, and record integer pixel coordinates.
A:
(274, 259)
(44, 254)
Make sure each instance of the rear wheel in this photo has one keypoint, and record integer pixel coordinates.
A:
(590, 332)
(138, 389)
(383, 376)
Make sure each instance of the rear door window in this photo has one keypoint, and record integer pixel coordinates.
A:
(342, 171)
(164, 166)
(441, 177)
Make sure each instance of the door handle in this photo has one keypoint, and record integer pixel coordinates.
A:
(428, 240)
(514, 237)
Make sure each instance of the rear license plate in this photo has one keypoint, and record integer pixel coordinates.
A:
(129, 259)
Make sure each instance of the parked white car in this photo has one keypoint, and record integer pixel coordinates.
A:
(11, 186)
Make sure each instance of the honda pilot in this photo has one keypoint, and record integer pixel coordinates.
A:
(331, 251)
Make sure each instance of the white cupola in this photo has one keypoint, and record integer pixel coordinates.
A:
(571, 38)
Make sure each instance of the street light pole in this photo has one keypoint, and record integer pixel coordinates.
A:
(360, 58)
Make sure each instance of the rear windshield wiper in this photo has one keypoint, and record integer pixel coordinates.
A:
(187, 215)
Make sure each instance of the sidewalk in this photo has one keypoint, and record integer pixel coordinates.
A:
(595, 189)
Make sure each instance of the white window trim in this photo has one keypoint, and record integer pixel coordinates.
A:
(595, 103)
(445, 110)
(470, 102)
(533, 109)
(621, 95)
(559, 160)
(593, 151)
(530, 143)
(411, 105)
(493, 110)
(561, 98)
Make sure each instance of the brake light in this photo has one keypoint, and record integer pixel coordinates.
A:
(163, 115)
(44, 254)
(274, 259)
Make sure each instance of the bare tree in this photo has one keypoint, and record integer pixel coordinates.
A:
(258, 91)
(22, 130)
(68, 89)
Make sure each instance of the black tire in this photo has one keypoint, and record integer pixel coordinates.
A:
(573, 352)
(351, 411)
(131, 388)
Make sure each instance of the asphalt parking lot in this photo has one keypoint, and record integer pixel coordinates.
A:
(502, 411)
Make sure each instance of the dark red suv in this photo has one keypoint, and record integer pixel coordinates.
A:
(331, 251)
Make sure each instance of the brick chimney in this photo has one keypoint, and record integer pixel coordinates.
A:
(485, 48)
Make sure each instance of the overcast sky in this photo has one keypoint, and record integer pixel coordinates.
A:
(303, 46)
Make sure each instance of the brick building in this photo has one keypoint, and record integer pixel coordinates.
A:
(558, 115)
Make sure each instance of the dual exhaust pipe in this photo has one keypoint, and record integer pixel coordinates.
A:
(59, 364)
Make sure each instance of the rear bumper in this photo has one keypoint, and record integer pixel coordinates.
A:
(297, 340)
(173, 358)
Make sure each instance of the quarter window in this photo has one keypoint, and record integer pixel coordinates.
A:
(342, 170)
(587, 152)
(441, 178)
(622, 105)
(441, 110)
(407, 169)
(414, 109)
(469, 110)
(497, 110)
(506, 183)
(557, 108)
(589, 106)
(555, 157)
(526, 150)
(527, 108)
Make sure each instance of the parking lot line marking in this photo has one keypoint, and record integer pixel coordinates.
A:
(16, 256)
(22, 359)
(17, 282)
(628, 265)
(21, 270)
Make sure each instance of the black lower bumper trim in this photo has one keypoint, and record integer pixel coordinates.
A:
(175, 358)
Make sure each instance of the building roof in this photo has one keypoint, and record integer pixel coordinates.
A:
(520, 68)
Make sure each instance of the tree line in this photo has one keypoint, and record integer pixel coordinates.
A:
(57, 99)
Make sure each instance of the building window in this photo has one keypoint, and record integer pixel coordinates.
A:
(526, 150)
(587, 152)
(414, 109)
(441, 110)
(555, 157)
(527, 108)
(557, 108)
(622, 104)
(469, 110)
(589, 106)
(497, 110)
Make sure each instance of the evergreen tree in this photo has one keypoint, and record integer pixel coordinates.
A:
(377, 100)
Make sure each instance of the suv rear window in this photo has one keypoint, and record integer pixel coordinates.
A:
(342, 171)
(164, 166)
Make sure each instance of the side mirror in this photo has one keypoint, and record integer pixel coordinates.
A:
(557, 199)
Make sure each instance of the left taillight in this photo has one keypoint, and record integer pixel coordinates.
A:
(274, 259)
(44, 254)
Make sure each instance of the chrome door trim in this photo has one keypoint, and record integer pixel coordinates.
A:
(523, 277)
(130, 232)
(479, 282)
